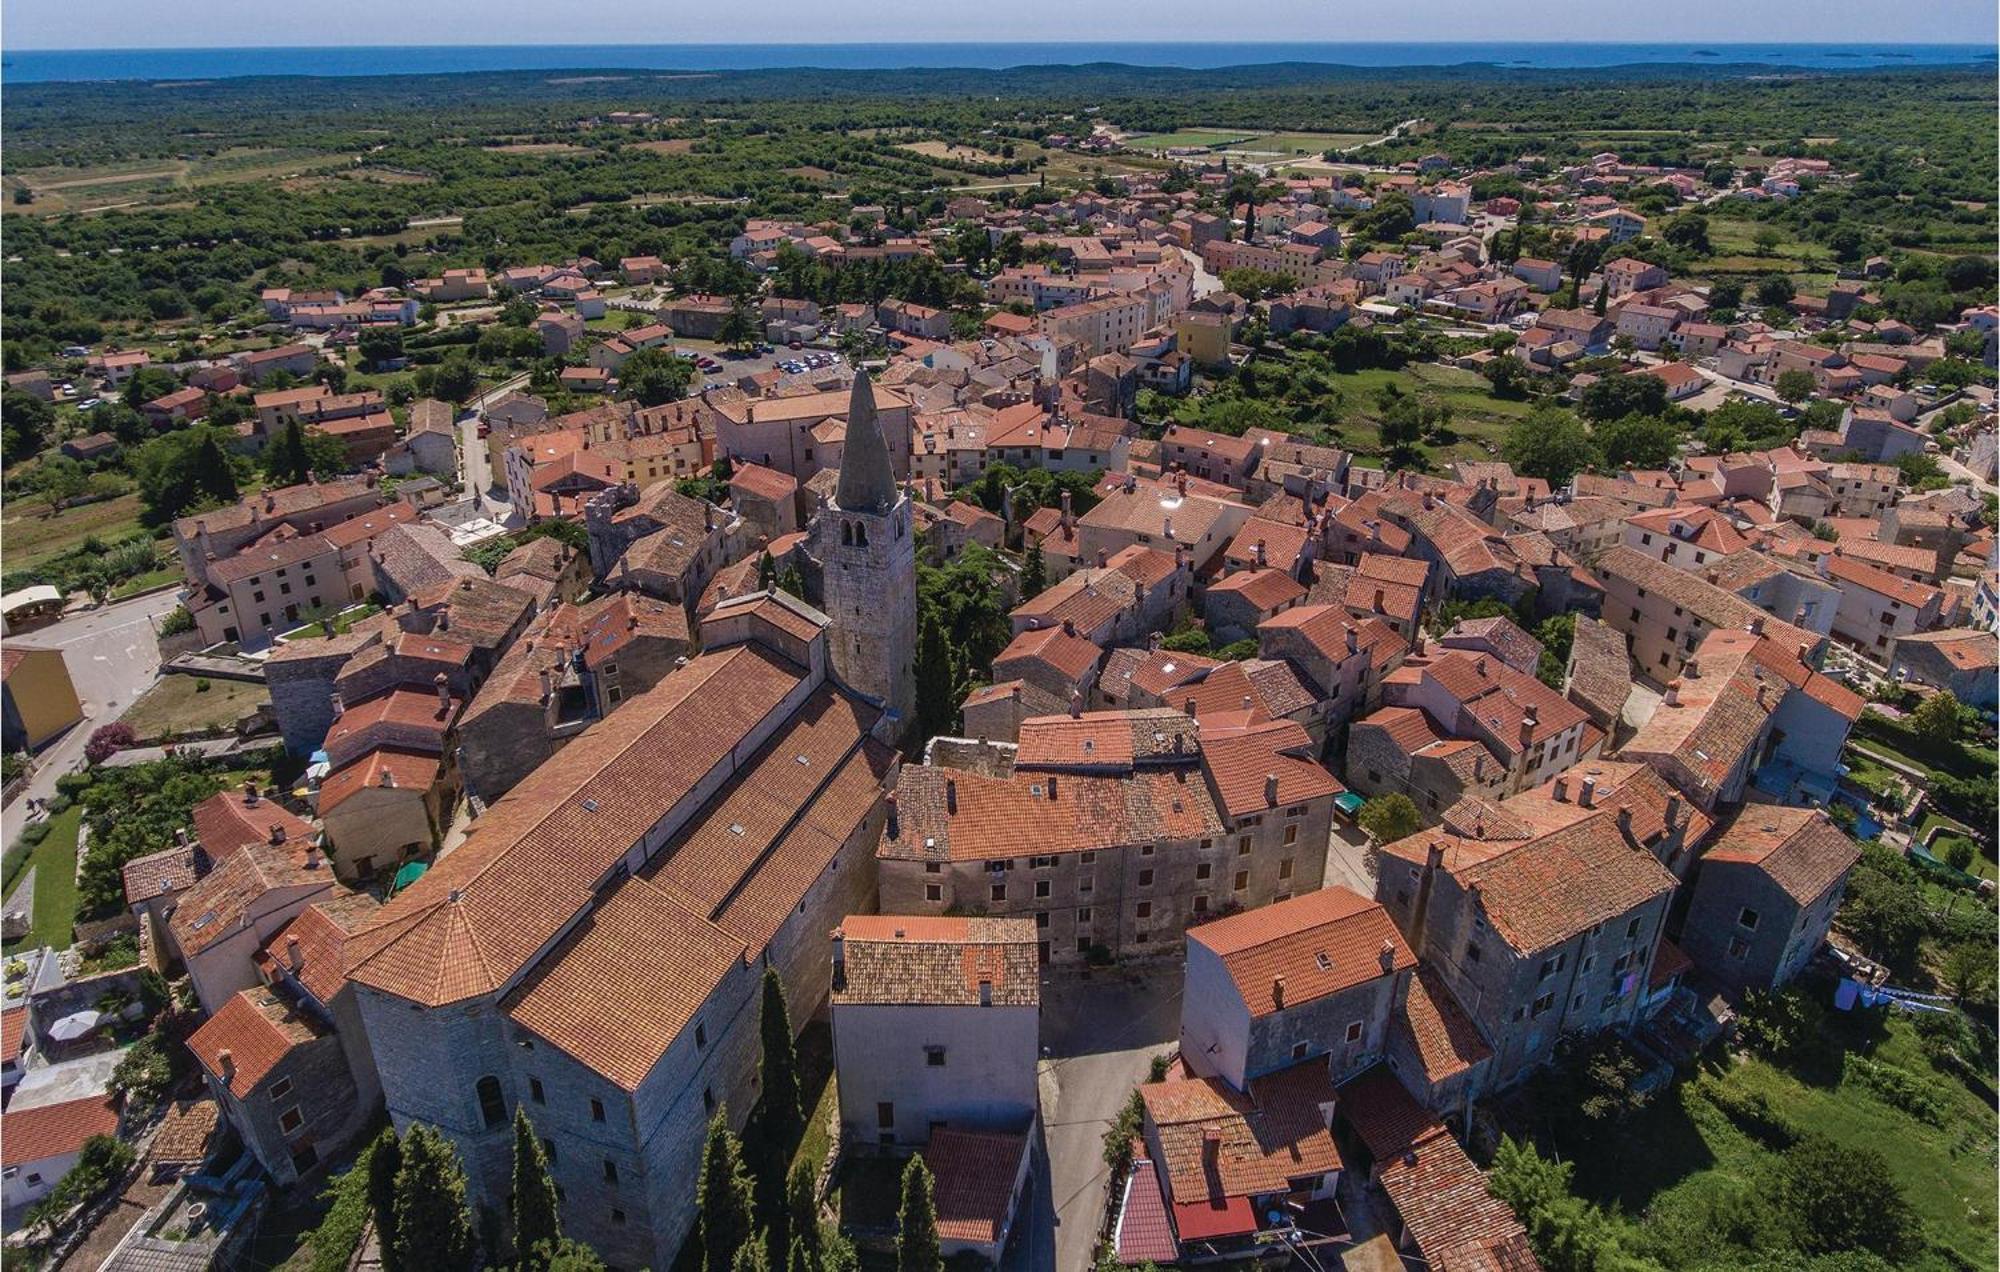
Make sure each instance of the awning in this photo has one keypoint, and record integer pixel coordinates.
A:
(1203, 1220)
(1348, 802)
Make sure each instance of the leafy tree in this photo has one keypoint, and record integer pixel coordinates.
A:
(567, 1256)
(1775, 290)
(1402, 428)
(433, 1221)
(536, 1213)
(1567, 1233)
(27, 421)
(1794, 385)
(1689, 232)
(1191, 641)
(1844, 1197)
(456, 378)
(937, 680)
(145, 1073)
(1614, 397)
(107, 740)
(791, 582)
(916, 1222)
(722, 1197)
(1644, 441)
(380, 343)
(1936, 719)
(298, 452)
(1549, 443)
(183, 471)
(1390, 817)
(652, 376)
(738, 329)
(385, 1163)
(1884, 908)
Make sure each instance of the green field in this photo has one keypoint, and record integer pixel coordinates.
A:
(1186, 137)
(1479, 420)
(1681, 1169)
(33, 537)
(54, 862)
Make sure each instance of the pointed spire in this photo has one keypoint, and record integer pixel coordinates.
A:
(867, 482)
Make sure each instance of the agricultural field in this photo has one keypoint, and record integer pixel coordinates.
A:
(946, 150)
(33, 536)
(1479, 420)
(103, 187)
(189, 704)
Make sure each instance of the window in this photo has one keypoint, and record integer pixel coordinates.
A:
(1296, 810)
(1632, 930)
(1086, 885)
(1285, 868)
(1085, 857)
(1041, 918)
(281, 1088)
(1472, 951)
(999, 892)
(1242, 880)
(1298, 1051)
(700, 1035)
(934, 1057)
(1201, 903)
(1243, 846)
(1041, 887)
(1354, 1031)
(597, 1110)
(1550, 966)
(1291, 834)
(1145, 878)
(291, 1120)
(610, 1171)
(617, 1215)
(492, 1105)
(932, 892)
(535, 1091)
(1747, 920)
(1543, 1003)
(1144, 910)
(1145, 850)
(885, 1115)
(549, 1148)
(1619, 964)
(1738, 947)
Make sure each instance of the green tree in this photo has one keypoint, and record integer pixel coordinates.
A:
(1390, 817)
(456, 378)
(1844, 1197)
(385, 1163)
(567, 1256)
(433, 1221)
(27, 420)
(1644, 441)
(1034, 571)
(652, 376)
(737, 330)
(1567, 1233)
(937, 680)
(182, 471)
(802, 1218)
(722, 1197)
(782, 1118)
(1936, 719)
(536, 1213)
(1613, 397)
(1795, 385)
(1549, 443)
(1689, 232)
(916, 1222)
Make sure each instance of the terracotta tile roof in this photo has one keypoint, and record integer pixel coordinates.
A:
(1437, 1029)
(1144, 1233)
(1316, 944)
(1263, 589)
(169, 870)
(1548, 889)
(1088, 599)
(1240, 763)
(369, 524)
(624, 983)
(1016, 816)
(1499, 699)
(231, 819)
(1114, 740)
(1154, 672)
(216, 906)
(1963, 648)
(1708, 602)
(974, 1173)
(1801, 849)
(1852, 573)
(938, 961)
(1072, 657)
(256, 1028)
(1282, 544)
(186, 1133)
(1408, 727)
(537, 856)
(383, 768)
(13, 1032)
(55, 1130)
(320, 931)
(1600, 667)
(285, 503)
(1217, 1143)
(1513, 646)
(1724, 700)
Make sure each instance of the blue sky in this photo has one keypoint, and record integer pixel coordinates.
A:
(31, 24)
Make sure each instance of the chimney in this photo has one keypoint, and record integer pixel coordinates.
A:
(225, 1060)
(1353, 641)
(985, 992)
(277, 833)
(1069, 627)
(1673, 813)
(1757, 625)
(1260, 554)
(1278, 992)
(1068, 517)
(1270, 788)
(839, 959)
(293, 955)
(1763, 691)
(1378, 600)
(1586, 794)
(1153, 640)
(1075, 704)
(339, 705)
(388, 780)
(1102, 558)
(1561, 791)
(1387, 955)
(249, 792)
(1672, 698)
(1190, 707)
(895, 827)
(951, 797)
(444, 620)
(1479, 664)
(1692, 670)
(181, 836)
(1167, 527)
(1625, 822)
(443, 692)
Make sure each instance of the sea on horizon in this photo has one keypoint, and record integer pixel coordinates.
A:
(24, 66)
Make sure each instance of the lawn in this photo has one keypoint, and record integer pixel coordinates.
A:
(1187, 137)
(1479, 420)
(1299, 144)
(1673, 1169)
(33, 537)
(54, 860)
(178, 704)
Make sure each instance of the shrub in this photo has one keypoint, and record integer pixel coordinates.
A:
(107, 740)
(101, 1164)
(1899, 1089)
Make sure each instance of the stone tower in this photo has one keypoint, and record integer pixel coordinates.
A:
(866, 548)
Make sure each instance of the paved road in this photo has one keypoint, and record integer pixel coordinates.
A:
(113, 657)
(475, 474)
(1098, 1038)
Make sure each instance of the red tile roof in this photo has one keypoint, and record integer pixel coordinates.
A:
(256, 1029)
(974, 1174)
(1801, 849)
(55, 1130)
(1314, 945)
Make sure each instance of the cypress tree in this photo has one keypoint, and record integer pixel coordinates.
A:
(722, 1197)
(537, 1221)
(800, 1261)
(288, 462)
(211, 471)
(781, 1119)
(802, 1217)
(750, 1258)
(433, 1222)
(1597, 306)
(916, 1222)
(767, 572)
(937, 688)
(568, 1256)
(385, 1161)
(1034, 571)
(792, 582)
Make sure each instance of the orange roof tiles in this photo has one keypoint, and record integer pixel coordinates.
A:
(1218, 1143)
(1313, 945)
(937, 961)
(1801, 849)
(55, 1130)
(974, 1173)
(1440, 1033)
(256, 1029)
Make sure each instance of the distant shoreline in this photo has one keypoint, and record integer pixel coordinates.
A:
(48, 66)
